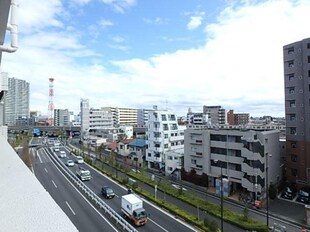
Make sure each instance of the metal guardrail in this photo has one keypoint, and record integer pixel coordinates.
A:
(92, 196)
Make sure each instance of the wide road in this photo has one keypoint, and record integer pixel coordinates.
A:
(159, 220)
(83, 215)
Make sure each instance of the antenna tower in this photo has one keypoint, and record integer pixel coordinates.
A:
(51, 102)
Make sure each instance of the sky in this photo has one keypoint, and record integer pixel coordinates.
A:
(170, 53)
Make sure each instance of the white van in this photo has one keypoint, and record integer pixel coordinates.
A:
(62, 154)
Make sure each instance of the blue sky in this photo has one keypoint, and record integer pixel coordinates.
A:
(171, 53)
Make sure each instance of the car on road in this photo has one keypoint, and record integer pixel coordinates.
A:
(288, 193)
(62, 154)
(70, 163)
(303, 196)
(79, 160)
(83, 174)
(107, 192)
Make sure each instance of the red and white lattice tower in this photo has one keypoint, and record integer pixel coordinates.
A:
(51, 102)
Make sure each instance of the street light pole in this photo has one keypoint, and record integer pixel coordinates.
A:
(222, 200)
(267, 190)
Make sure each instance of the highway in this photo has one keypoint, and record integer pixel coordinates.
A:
(159, 220)
(83, 215)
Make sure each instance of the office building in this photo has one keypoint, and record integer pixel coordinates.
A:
(216, 114)
(297, 111)
(85, 124)
(61, 117)
(16, 101)
(196, 118)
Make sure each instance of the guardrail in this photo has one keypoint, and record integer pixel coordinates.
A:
(91, 195)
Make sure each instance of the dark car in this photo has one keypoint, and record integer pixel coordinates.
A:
(303, 197)
(107, 192)
(288, 193)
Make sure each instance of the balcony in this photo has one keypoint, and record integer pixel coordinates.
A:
(176, 138)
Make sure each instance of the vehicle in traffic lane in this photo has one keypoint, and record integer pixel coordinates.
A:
(79, 160)
(70, 163)
(83, 174)
(62, 154)
(132, 207)
(107, 192)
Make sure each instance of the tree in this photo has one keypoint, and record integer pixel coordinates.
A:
(101, 148)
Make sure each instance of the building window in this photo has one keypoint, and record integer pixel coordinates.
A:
(172, 117)
(149, 154)
(290, 51)
(165, 127)
(308, 73)
(308, 59)
(291, 77)
(293, 130)
(293, 145)
(308, 45)
(294, 158)
(169, 157)
(193, 161)
(291, 90)
(165, 145)
(292, 103)
(292, 117)
(166, 136)
(291, 64)
(169, 168)
(163, 117)
(193, 149)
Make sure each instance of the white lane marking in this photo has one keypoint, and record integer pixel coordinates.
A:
(40, 158)
(157, 224)
(45, 170)
(54, 184)
(148, 202)
(109, 223)
(70, 208)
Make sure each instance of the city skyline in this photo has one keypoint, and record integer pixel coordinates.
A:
(175, 55)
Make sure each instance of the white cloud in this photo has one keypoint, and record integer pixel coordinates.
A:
(156, 20)
(195, 22)
(38, 14)
(120, 5)
(104, 23)
(239, 67)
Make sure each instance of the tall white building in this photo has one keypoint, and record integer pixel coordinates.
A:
(4, 87)
(143, 115)
(100, 119)
(163, 135)
(16, 101)
(84, 106)
(123, 116)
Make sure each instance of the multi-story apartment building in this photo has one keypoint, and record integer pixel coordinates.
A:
(123, 116)
(100, 119)
(196, 118)
(3, 90)
(237, 119)
(163, 135)
(84, 106)
(297, 111)
(16, 101)
(143, 115)
(61, 117)
(216, 114)
(245, 157)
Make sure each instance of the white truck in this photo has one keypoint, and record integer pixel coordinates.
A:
(83, 174)
(132, 207)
